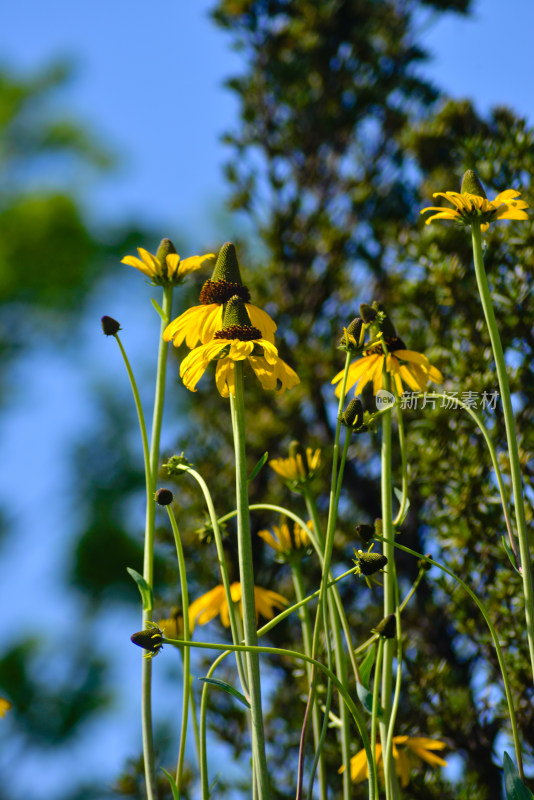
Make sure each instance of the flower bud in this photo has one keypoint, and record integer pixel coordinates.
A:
(367, 313)
(379, 528)
(387, 627)
(369, 563)
(164, 497)
(352, 417)
(353, 335)
(150, 639)
(365, 532)
(110, 326)
(386, 326)
(471, 184)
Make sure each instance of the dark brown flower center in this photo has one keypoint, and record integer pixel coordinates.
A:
(244, 333)
(392, 345)
(221, 291)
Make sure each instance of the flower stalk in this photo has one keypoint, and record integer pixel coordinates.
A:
(246, 573)
(511, 436)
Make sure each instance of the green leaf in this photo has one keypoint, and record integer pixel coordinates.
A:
(509, 553)
(366, 699)
(398, 495)
(226, 687)
(367, 665)
(174, 788)
(258, 466)
(144, 588)
(515, 788)
(160, 311)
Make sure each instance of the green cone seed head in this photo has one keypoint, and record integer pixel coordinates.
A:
(369, 563)
(165, 248)
(367, 313)
(471, 184)
(352, 417)
(365, 532)
(226, 267)
(387, 627)
(236, 313)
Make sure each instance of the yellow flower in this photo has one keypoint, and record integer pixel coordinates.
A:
(238, 342)
(199, 323)
(296, 468)
(5, 706)
(402, 364)
(473, 207)
(407, 750)
(168, 268)
(209, 605)
(286, 542)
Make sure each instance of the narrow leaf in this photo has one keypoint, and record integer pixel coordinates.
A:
(144, 588)
(160, 311)
(515, 788)
(226, 687)
(174, 788)
(509, 554)
(366, 699)
(398, 495)
(367, 665)
(258, 466)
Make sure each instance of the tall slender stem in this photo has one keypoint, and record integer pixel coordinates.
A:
(187, 651)
(304, 616)
(511, 436)
(148, 561)
(246, 572)
(389, 585)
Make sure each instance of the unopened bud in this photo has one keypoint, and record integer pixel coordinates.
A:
(367, 313)
(369, 563)
(353, 334)
(352, 417)
(379, 528)
(387, 627)
(150, 639)
(365, 532)
(110, 326)
(164, 497)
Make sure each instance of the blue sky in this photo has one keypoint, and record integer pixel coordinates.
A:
(149, 83)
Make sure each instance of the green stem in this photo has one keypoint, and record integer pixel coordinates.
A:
(404, 467)
(292, 654)
(186, 652)
(305, 622)
(376, 693)
(511, 436)
(234, 622)
(494, 636)
(389, 586)
(246, 573)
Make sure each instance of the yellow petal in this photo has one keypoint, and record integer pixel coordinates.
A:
(132, 261)
(261, 320)
(413, 356)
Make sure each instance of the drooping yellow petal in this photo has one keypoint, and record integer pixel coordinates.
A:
(261, 320)
(225, 377)
(190, 264)
(411, 355)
